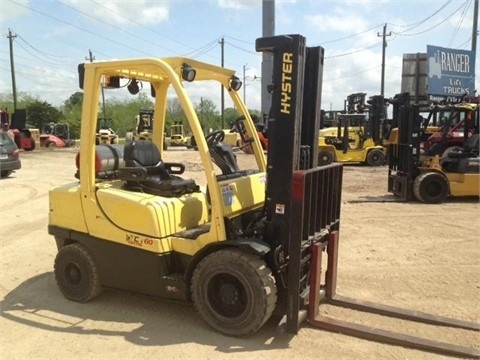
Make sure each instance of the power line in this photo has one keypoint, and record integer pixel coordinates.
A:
(354, 74)
(348, 36)
(354, 51)
(433, 27)
(81, 28)
(460, 21)
(420, 22)
(140, 24)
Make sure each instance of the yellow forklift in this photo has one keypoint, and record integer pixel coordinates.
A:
(245, 247)
(357, 136)
(430, 178)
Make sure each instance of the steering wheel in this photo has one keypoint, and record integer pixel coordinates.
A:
(214, 138)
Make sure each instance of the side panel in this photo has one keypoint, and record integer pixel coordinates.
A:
(464, 184)
(152, 215)
(65, 207)
(126, 268)
(243, 194)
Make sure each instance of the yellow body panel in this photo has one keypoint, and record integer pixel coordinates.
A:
(243, 194)
(59, 215)
(154, 216)
(464, 184)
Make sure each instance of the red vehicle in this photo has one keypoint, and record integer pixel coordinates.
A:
(262, 132)
(22, 136)
(56, 135)
(453, 124)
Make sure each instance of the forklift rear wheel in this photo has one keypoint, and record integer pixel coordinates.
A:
(375, 158)
(234, 292)
(430, 188)
(76, 273)
(325, 157)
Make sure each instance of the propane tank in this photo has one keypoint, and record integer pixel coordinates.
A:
(108, 158)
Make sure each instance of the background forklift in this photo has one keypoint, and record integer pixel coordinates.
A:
(24, 138)
(178, 136)
(246, 247)
(357, 137)
(143, 126)
(447, 127)
(430, 178)
(105, 133)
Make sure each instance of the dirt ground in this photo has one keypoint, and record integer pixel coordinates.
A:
(411, 255)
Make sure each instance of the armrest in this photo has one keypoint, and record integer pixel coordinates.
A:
(132, 173)
(175, 168)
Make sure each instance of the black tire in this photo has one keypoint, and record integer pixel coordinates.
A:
(375, 157)
(325, 157)
(234, 292)
(430, 188)
(51, 145)
(5, 173)
(76, 273)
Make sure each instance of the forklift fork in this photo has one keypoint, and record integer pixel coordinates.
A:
(327, 294)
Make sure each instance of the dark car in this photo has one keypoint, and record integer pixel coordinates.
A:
(9, 155)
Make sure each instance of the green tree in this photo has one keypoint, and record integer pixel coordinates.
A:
(72, 111)
(123, 111)
(208, 115)
(41, 113)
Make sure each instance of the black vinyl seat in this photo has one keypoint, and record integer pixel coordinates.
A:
(470, 148)
(145, 171)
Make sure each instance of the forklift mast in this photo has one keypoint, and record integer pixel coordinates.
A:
(376, 119)
(302, 200)
(404, 152)
(355, 103)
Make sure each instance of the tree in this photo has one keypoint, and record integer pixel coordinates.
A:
(72, 111)
(208, 115)
(41, 113)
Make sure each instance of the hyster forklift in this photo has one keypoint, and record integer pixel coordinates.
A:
(357, 137)
(245, 247)
(430, 178)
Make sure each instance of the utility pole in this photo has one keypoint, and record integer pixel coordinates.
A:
(91, 58)
(475, 26)
(222, 43)
(244, 84)
(10, 37)
(384, 46)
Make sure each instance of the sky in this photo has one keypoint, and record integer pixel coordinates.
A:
(53, 37)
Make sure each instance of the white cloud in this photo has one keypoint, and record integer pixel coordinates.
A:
(12, 10)
(344, 23)
(238, 4)
(121, 12)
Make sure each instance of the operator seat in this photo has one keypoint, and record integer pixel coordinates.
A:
(470, 148)
(146, 172)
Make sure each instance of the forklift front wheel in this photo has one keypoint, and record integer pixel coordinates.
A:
(76, 273)
(234, 292)
(430, 188)
(325, 157)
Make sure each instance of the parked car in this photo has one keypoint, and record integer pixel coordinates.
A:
(9, 155)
